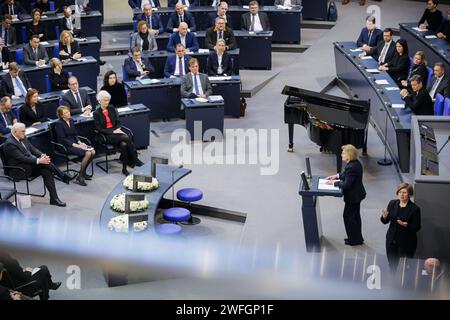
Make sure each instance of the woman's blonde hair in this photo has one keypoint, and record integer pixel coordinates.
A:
(63, 34)
(60, 110)
(350, 151)
(407, 187)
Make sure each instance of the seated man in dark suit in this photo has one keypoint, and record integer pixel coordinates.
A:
(385, 50)
(8, 117)
(13, 8)
(5, 294)
(179, 16)
(140, 4)
(255, 20)
(195, 84)
(5, 56)
(15, 83)
(419, 101)
(370, 36)
(177, 65)
(222, 10)
(85, 6)
(17, 276)
(186, 3)
(34, 54)
(77, 99)
(220, 31)
(68, 22)
(154, 22)
(440, 82)
(432, 16)
(184, 37)
(21, 153)
(443, 32)
(138, 67)
(7, 31)
(219, 61)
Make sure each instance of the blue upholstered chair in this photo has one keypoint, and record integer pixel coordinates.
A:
(124, 74)
(190, 195)
(57, 32)
(439, 105)
(176, 214)
(47, 83)
(430, 75)
(23, 30)
(19, 56)
(446, 107)
(56, 50)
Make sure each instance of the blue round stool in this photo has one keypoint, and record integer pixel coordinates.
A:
(190, 195)
(168, 229)
(176, 214)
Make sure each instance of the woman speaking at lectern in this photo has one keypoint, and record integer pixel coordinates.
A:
(350, 181)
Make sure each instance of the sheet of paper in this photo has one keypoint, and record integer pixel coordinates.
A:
(219, 78)
(355, 50)
(373, 70)
(201, 100)
(148, 81)
(392, 88)
(324, 186)
(30, 130)
(283, 7)
(124, 109)
(215, 98)
(382, 81)
(418, 29)
(431, 36)
(398, 105)
(65, 91)
(44, 43)
(366, 58)
(246, 7)
(35, 270)
(203, 50)
(86, 115)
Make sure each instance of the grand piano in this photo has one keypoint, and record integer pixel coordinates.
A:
(331, 121)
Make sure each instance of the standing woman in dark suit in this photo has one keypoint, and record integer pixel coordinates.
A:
(67, 135)
(59, 78)
(106, 121)
(419, 67)
(219, 61)
(32, 112)
(36, 26)
(403, 217)
(115, 89)
(68, 47)
(350, 181)
(398, 67)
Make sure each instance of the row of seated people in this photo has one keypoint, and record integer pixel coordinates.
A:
(37, 27)
(254, 20)
(16, 10)
(139, 4)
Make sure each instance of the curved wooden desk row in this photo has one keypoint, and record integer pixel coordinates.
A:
(353, 71)
(286, 24)
(436, 50)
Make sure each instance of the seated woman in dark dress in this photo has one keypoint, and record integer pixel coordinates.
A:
(419, 67)
(32, 112)
(68, 47)
(59, 78)
(398, 67)
(219, 61)
(106, 121)
(67, 135)
(43, 5)
(115, 89)
(36, 26)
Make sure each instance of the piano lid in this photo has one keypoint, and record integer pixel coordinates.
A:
(333, 110)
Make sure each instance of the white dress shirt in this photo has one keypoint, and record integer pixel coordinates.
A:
(177, 66)
(435, 86)
(199, 83)
(219, 59)
(258, 26)
(183, 41)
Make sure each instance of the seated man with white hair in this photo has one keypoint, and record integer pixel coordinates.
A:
(106, 121)
(21, 153)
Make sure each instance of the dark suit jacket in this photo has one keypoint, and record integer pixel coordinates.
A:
(12, 39)
(100, 120)
(6, 55)
(136, 4)
(18, 155)
(405, 237)
(15, 276)
(246, 21)
(75, 47)
(420, 70)
(351, 182)
(39, 29)
(191, 42)
(69, 100)
(3, 125)
(399, 67)
(132, 71)
(187, 85)
(377, 36)
(420, 102)
(192, 3)
(443, 87)
(171, 63)
(213, 64)
(228, 36)
(174, 21)
(211, 20)
(7, 84)
(28, 117)
(58, 82)
(156, 21)
(29, 57)
(63, 25)
(445, 29)
(64, 134)
(18, 9)
(375, 51)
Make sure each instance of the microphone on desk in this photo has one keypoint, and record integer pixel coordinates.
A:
(173, 190)
(448, 139)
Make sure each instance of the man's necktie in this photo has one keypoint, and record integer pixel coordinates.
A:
(197, 91)
(180, 66)
(6, 118)
(78, 99)
(434, 87)
(370, 37)
(26, 149)
(220, 35)
(20, 86)
(383, 54)
(252, 25)
(181, 19)
(36, 54)
(149, 22)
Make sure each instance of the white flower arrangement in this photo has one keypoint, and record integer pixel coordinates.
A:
(142, 186)
(118, 204)
(120, 224)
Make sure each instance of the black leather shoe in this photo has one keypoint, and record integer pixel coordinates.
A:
(101, 62)
(55, 286)
(66, 178)
(87, 178)
(81, 182)
(346, 240)
(348, 243)
(139, 163)
(125, 171)
(57, 202)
